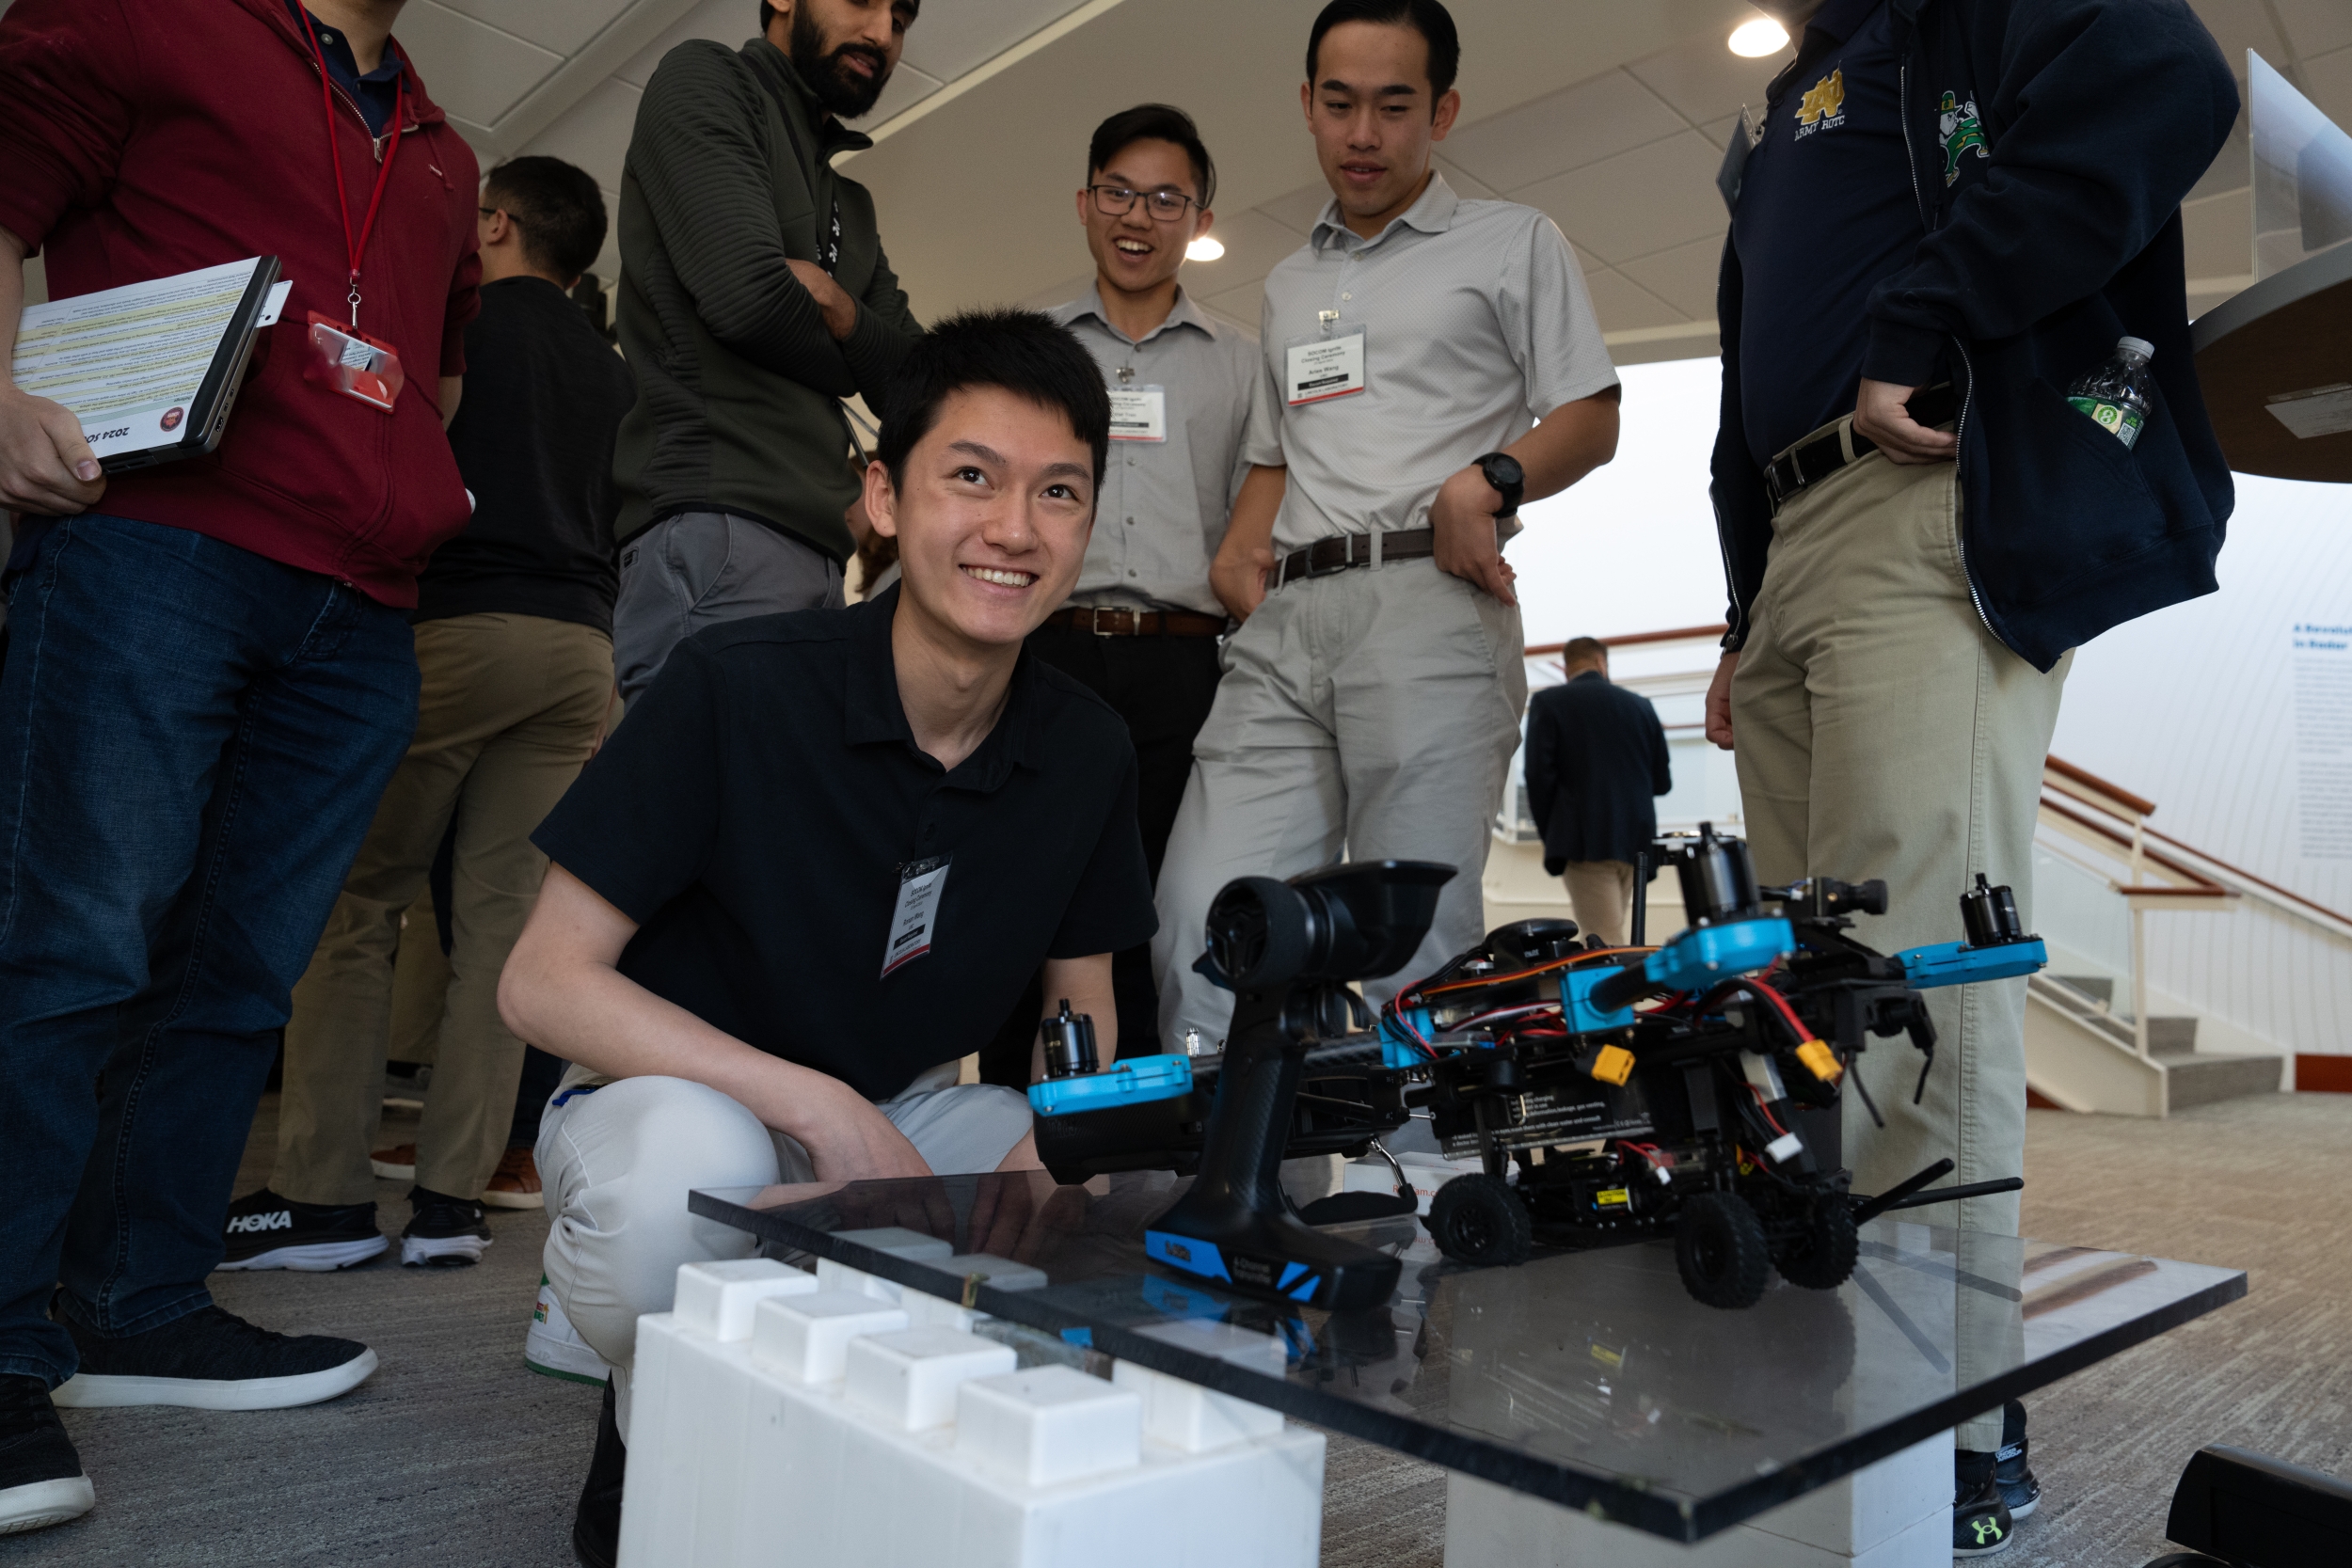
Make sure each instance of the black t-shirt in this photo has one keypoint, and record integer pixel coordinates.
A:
(533, 436)
(755, 811)
(1826, 209)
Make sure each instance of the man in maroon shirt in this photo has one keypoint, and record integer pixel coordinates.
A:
(209, 675)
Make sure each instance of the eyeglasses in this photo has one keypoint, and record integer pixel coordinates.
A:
(1115, 201)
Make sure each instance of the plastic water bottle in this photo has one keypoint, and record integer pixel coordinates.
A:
(2116, 394)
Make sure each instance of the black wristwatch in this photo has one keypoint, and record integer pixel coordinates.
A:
(1503, 472)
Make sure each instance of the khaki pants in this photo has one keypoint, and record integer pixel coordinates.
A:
(1601, 893)
(617, 1163)
(511, 708)
(1375, 711)
(1881, 730)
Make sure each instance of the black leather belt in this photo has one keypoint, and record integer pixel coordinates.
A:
(1834, 445)
(1326, 556)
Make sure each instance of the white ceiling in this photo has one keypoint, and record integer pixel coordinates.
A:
(1607, 113)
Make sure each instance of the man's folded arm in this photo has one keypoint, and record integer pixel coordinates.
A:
(707, 182)
(885, 329)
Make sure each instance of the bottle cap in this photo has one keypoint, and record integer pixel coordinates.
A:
(2140, 347)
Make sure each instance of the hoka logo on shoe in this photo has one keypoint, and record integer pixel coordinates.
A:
(1988, 1530)
(282, 1220)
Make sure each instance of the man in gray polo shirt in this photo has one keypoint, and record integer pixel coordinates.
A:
(1191, 412)
(1371, 700)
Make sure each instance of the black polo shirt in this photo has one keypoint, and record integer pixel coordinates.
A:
(1826, 209)
(753, 811)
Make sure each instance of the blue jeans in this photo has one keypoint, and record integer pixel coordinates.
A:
(192, 741)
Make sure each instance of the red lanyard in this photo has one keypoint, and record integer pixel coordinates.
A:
(353, 248)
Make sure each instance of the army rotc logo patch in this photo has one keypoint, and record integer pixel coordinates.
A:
(1824, 105)
(1956, 122)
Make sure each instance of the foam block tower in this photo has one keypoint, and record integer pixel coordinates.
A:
(833, 1418)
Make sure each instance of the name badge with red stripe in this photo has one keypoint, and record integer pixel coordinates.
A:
(920, 884)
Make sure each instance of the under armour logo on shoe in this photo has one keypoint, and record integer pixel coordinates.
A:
(1987, 1529)
(282, 1220)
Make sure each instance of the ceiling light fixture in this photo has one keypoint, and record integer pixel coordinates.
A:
(1204, 249)
(1758, 39)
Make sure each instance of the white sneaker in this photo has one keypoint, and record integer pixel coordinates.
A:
(553, 1347)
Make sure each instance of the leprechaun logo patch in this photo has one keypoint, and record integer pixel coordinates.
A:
(1957, 124)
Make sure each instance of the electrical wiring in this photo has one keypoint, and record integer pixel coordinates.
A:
(1574, 960)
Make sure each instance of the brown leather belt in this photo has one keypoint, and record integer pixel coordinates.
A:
(1111, 622)
(1326, 556)
(1835, 445)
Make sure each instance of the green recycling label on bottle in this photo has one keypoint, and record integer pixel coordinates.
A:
(2117, 421)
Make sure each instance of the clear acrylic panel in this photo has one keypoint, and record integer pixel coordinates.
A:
(2302, 173)
(2088, 927)
(1589, 1378)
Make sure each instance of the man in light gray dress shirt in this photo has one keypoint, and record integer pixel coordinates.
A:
(1190, 414)
(1370, 699)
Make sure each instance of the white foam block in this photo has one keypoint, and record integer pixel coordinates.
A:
(909, 1379)
(1048, 1425)
(898, 1241)
(717, 1298)
(1000, 1274)
(807, 1338)
(1196, 1419)
(747, 1446)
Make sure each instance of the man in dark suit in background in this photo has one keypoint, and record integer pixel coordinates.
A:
(1596, 756)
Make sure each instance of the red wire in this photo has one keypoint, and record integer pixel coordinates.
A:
(1768, 994)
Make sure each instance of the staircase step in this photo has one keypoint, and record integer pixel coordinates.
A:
(2099, 987)
(2208, 1076)
(2171, 1037)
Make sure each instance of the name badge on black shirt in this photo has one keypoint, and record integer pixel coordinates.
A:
(920, 883)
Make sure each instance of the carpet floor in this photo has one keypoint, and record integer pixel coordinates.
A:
(454, 1455)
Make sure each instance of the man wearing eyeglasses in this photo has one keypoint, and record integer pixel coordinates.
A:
(1190, 414)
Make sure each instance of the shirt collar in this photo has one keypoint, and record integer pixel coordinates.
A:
(1090, 304)
(875, 715)
(1433, 213)
(1838, 20)
(337, 48)
(1588, 675)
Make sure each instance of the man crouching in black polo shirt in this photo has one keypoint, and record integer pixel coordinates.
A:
(824, 854)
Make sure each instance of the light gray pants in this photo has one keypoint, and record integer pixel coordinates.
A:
(1374, 711)
(617, 1165)
(1881, 730)
(700, 569)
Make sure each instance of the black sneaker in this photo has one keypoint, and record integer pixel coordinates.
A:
(445, 1231)
(2010, 1472)
(210, 1360)
(597, 1522)
(267, 1231)
(40, 1476)
(1981, 1521)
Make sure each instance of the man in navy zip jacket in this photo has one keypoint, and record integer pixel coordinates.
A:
(1954, 209)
